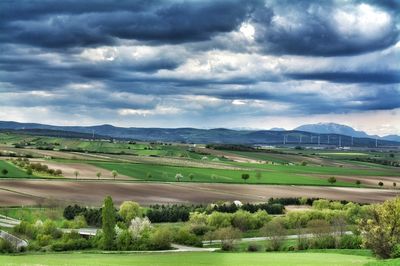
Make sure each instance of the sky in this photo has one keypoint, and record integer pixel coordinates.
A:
(206, 64)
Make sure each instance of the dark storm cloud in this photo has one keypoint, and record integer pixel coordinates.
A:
(75, 23)
(388, 77)
(309, 28)
(196, 49)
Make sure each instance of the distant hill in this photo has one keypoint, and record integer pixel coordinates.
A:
(332, 128)
(193, 135)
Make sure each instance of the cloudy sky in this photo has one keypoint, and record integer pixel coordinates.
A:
(236, 64)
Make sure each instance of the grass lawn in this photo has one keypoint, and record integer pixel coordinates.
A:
(394, 262)
(167, 173)
(185, 259)
(13, 172)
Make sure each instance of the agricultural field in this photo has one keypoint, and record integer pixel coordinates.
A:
(11, 171)
(173, 182)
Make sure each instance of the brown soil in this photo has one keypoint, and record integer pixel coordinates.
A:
(92, 193)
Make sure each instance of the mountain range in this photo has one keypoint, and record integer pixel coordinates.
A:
(332, 128)
(332, 134)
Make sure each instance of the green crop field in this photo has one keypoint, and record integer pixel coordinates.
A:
(13, 172)
(323, 170)
(187, 259)
(167, 173)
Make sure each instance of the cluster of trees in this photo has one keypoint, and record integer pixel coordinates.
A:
(92, 216)
(378, 161)
(242, 220)
(35, 167)
(270, 208)
(230, 147)
(172, 213)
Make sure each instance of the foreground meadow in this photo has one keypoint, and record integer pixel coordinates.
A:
(181, 259)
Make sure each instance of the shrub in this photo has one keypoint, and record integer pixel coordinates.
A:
(321, 204)
(323, 242)
(185, 237)
(199, 229)
(6, 247)
(124, 240)
(219, 219)
(43, 240)
(253, 247)
(50, 228)
(381, 230)
(243, 220)
(350, 242)
(275, 231)
(228, 236)
(138, 226)
(160, 239)
(261, 218)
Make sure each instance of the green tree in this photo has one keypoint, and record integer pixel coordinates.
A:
(129, 210)
(4, 171)
(380, 184)
(358, 182)
(381, 230)
(245, 177)
(332, 180)
(108, 219)
(98, 174)
(114, 174)
(191, 176)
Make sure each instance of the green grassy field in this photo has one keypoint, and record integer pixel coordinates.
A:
(31, 215)
(186, 259)
(13, 172)
(167, 174)
(393, 262)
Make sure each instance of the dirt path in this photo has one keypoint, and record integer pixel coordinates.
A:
(93, 193)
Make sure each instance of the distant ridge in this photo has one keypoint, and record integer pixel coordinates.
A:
(332, 128)
(193, 135)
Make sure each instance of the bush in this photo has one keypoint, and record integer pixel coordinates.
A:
(6, 247)
(219, 219)
(71, 241)
(275, 231)
(43, 240)
(381, 229)
(185, 237)
(253, 248)
(50, 228)
(160, 239)
(243, 220)
(350, 242)
(228, 236)
(199, 229)
(124, 240)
